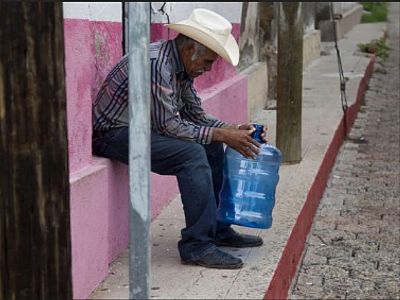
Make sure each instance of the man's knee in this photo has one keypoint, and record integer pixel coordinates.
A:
(170, 156)
(194, 153)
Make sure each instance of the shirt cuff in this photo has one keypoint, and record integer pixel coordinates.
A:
(205, 135)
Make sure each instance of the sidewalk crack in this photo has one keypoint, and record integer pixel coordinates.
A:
(320, 238)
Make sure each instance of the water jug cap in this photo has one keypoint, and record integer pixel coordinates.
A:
(257, 133)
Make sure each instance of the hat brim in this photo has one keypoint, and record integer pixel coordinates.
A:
(229, 51)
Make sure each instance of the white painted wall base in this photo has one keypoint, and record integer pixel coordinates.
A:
(257, 76)
(311, 47)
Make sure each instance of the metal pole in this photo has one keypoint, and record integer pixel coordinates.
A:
(125, 27)
(139, 150)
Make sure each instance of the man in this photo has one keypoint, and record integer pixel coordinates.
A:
(185, 141)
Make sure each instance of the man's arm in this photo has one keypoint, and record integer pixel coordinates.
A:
(165, 117)
(193, 109)
(236, 136)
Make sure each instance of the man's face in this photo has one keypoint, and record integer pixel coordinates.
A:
(196, 64)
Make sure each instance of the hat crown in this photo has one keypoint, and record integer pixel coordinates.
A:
(211, 30)
(213, 22)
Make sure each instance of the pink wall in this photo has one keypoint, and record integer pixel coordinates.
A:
(91, 49)
(99, 187)
(93, 223)
(227, 100)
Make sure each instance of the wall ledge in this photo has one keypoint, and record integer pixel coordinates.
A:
(98, 164)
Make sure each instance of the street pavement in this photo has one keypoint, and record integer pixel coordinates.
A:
(353, 249)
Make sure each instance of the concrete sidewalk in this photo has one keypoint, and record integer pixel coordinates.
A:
(268, 269)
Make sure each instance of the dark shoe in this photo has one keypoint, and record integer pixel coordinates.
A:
(239, 240)
(218, 260)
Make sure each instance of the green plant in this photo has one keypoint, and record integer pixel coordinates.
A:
(377, 47)
(374, 12)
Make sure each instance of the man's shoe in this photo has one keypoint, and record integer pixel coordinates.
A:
(239, 240)
(218, 260)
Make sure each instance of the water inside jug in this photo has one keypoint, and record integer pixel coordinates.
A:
(247, 196)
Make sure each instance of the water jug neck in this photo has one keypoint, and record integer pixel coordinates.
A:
(257, 133)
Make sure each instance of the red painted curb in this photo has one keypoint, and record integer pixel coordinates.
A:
(291, 255)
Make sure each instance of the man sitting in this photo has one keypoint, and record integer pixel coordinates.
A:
(185, 141)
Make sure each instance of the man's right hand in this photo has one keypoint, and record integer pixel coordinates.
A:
(240, 140)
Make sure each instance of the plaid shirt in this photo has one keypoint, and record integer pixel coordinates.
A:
(175, 107)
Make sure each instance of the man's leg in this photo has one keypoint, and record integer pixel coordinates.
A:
(113, 144)
(215, 156)
(188, 161)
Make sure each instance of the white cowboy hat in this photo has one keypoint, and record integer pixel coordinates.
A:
(211, 30)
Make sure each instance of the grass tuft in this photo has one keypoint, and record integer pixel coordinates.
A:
(374, 12)
(377, 47)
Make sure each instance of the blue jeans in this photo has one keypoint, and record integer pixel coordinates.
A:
(198, 169)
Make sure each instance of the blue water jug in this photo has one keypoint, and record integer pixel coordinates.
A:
(247, 196)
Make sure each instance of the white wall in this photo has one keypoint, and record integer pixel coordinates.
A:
(94, 11)
(342, 7)
(178, 11)
(112, 11)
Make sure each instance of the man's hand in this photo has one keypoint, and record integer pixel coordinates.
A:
(240, 140)
(250, 126)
